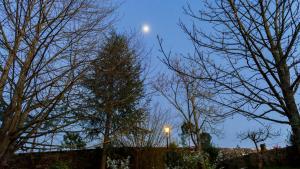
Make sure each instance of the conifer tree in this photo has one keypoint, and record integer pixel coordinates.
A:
(115, 89)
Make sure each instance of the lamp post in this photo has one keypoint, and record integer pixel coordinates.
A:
(167, 131)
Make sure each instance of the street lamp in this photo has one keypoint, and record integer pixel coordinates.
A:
(167, 131)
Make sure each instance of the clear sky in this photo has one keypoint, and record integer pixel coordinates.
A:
(163, 17)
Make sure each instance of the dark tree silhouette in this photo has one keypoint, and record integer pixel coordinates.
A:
(249, 52)
(189, 99)
(114, 91)
(43, 46)
(259, 135)
(73, 140)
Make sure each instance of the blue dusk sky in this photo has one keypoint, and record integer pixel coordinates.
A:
(163, 17)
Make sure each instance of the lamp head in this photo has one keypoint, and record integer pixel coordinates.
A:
(167, 129)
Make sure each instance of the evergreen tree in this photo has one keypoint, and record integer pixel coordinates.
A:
(115, 89)
(73, 141)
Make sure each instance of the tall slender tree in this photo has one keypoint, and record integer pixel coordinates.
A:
(115, 88)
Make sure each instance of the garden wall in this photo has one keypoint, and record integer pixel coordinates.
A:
(147, 158)
(271, 158)
(140, 158)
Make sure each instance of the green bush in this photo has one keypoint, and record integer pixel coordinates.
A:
(59, 165)
(188, 160)
(118, 163)
(212, 152)
(173, 145)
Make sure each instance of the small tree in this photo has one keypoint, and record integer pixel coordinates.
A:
(189, 99)
(73, 140)
(258, 136)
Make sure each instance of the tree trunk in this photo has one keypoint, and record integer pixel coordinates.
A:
(3, 162)
(256, 146)
(292, 108)
(199, 143)
(104, 154)
(106, 141)
(294, 119)
(199, 148)
(259, 156)
(295, 125)
(260, 160)
(5, 152)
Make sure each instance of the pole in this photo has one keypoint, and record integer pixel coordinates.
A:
(170, 137)
(167, 141)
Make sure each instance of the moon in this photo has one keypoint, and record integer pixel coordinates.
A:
(146, 28)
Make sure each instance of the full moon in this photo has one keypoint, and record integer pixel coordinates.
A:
(146, 28)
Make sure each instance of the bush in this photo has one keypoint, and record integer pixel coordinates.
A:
(212, 152)
(59, 165)
(173, 159)
(118, 163)
(188, 160)
(173, 145)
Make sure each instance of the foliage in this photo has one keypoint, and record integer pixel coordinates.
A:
(118, 163)
(173, 145)
(206, 140)
(59, 165)
(184, 139)
(212, 152)
(114, 88)
(232, 154)
(207, 158)
(188, 160)
(73, 141)
(173, 159)
(187, 128)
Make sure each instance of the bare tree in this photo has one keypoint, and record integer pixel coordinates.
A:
(44, 47)
(259, 135)
(250, 55)
(188, 98)
(148, 133)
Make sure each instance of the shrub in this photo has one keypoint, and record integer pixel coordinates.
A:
(196, 159)
(188, 160)
(212, 152)
(173, 159)
(118, 163)
(59, 165)
(173, 145)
